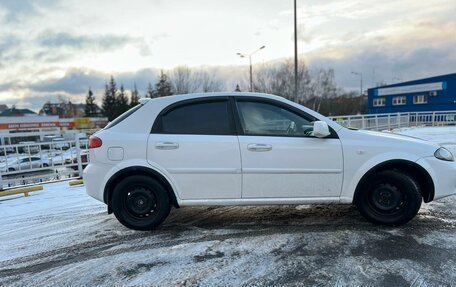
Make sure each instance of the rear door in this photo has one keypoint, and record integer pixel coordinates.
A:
(195, 141)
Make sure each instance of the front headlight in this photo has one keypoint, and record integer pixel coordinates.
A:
(444, 154)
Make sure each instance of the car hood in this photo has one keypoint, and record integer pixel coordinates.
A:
(386, 141)
(398, 137)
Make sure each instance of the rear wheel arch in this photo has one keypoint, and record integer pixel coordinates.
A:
(417, 172)
(137, 170)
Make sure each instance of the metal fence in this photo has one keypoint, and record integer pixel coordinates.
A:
(397, 120)
(30, 163)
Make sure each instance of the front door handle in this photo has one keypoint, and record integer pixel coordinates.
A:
(259, 147)
(166, 145)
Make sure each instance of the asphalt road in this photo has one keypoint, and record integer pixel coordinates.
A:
(78, 244)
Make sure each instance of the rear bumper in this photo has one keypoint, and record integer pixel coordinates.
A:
(94, 176)
(443, 174)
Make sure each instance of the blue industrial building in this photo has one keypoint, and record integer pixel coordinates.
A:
(430, 94)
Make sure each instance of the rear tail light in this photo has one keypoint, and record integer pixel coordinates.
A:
(95, 142)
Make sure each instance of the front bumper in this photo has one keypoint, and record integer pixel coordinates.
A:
(443, 174)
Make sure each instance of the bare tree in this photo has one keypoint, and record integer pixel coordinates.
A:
(278, 79)
(185, 80)
(207, 82)
(182, 80)
(313, 85)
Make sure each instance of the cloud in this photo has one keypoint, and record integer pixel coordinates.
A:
(74, 82)
(84, 42)
(19, 9)
(7, 42)
(388, 64)
(78, 81)
(8, 47)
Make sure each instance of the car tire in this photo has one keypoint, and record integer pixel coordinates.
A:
(140, 202)
(11, 169)
(45, 165)
(389, 198)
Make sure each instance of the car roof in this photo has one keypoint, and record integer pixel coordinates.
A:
(165, 101)
(177, 98)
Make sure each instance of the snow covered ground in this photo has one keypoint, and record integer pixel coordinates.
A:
(62, 237)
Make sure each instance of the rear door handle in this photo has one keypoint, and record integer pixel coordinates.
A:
(259, 147)
(166, 145)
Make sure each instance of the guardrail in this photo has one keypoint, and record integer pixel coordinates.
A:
(31, 163)
(397, 120)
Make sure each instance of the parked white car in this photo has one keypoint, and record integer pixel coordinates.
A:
(251, 149)
(29, 147)
(22, 163)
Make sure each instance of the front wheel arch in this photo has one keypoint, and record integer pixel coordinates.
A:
(413, 169)
(390, 197)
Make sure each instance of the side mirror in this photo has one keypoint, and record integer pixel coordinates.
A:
(321, 129)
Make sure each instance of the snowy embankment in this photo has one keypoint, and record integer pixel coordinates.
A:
(62, 237)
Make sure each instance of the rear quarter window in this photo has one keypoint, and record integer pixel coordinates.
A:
(123, 116)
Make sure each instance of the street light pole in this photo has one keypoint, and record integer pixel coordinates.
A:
(251, 76)
(242, 55)
(361, 80)
(295, 54)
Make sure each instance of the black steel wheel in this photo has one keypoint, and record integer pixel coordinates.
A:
(389, 198)
(140, 202)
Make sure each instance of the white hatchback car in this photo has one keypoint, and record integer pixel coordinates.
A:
(251, 149)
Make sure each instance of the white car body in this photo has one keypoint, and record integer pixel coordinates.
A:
(249, 170)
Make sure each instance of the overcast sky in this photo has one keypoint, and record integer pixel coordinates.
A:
(61, 47)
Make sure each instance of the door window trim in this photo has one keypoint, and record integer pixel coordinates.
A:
(240, 130)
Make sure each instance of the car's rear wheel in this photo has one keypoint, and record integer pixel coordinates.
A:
(389, 198)
(140, 202)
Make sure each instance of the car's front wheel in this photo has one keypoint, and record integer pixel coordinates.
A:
(389, 197)
(140, 202)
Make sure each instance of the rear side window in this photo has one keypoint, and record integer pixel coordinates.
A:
(202, 118)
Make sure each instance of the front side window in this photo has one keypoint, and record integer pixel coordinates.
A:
(258, 118)
(420, 99)
(379, 102)
(202, 118)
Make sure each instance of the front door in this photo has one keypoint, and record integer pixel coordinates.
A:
(281, 158)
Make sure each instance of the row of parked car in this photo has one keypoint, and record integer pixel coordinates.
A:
(19, 162)
(27, 156)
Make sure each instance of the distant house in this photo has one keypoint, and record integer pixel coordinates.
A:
(65, 110)
(13, 112)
